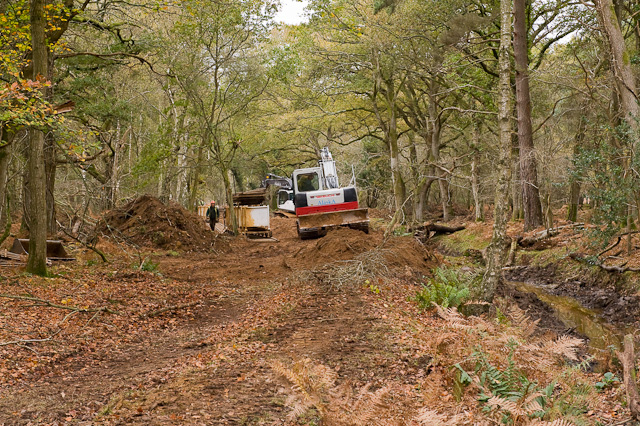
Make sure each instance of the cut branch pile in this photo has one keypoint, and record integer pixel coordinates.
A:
(352, 272)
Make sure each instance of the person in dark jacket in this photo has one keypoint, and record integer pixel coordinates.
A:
(213, 214)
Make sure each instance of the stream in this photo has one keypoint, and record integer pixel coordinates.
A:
(572, 314)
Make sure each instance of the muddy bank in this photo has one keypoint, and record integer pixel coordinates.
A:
(614, 304)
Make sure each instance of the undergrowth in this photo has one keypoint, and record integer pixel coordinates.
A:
(505, 373)
(449, 288)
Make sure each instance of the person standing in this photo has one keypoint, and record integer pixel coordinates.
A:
(213, 213)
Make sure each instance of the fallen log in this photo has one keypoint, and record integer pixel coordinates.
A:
(531, 241)
(437, 229)
(543, 235)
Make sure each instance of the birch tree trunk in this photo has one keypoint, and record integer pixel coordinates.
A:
(496, 250)
(528, 168)
(37, 262)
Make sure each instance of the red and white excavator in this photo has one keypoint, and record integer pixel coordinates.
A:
(320, 203)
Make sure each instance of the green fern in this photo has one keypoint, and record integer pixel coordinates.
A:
(448, 288)
(510, 391)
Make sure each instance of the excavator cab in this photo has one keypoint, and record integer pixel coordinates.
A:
(321, 204)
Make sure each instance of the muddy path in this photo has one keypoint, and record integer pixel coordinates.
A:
(214, 367)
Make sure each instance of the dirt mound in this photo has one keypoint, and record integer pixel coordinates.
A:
(338, 244)
(407, 252)
(403, 253)
(284, 228)
(148, 222)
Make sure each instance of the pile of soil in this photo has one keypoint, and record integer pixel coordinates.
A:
(404, 253)
(338, 244)
(148, 222)
(407, 252)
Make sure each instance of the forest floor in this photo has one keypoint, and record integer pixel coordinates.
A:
(159, 337)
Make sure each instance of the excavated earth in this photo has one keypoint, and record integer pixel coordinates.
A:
(147, 222)
(256, 301)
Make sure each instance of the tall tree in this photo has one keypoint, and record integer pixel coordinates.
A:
(496, 250)
(620, 64)
(37, 263)
(223, 77)
(528, 169)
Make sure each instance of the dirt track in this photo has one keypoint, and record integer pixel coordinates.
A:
(214, 367)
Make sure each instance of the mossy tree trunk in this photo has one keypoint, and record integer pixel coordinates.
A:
(496, 250)
(37, 262)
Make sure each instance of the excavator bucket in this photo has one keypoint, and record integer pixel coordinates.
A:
(315, 225)
(55, 249)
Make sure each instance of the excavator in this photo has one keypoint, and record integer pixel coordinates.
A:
(320, 203)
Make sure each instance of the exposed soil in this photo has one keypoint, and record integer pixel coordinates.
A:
(148, 222)
(194, 343)
(210, 364)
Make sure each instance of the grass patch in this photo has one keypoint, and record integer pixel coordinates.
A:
(461, 241)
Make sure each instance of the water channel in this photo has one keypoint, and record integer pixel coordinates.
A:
(572, 314)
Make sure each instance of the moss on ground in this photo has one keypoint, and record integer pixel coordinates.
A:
(462, 241)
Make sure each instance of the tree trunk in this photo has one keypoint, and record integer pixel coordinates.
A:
(574, 201)
(475, 180)
(423, 197)
(194, 181)
(5, 155)
(435, 133)
(50, 167)
(394, 152)
(496, 250)
(622, 73)
(37, 262)
(516, 184)
(230, 213)
(445, 198)
(181, 175)
(528, 169)
(574, 195)
(415, 176)
(475, 188)
(621, 63)
(628, 359)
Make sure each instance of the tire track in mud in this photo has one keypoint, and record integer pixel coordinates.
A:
(334, 329)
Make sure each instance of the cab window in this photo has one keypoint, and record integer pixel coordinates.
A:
(283, 197)
(307, 182)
